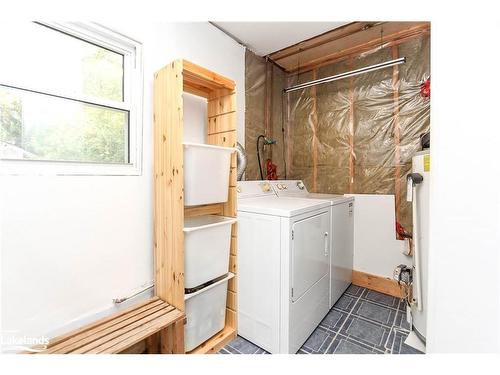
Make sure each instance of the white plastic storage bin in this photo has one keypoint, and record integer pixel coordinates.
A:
(207, 242)
(206, 173)
(205, 312)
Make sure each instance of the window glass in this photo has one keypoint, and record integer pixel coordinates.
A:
(42, 127)
(48, 60)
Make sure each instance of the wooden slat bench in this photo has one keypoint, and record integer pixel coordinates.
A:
(155, 320)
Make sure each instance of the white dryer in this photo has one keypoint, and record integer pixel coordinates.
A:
(283, 266)
(342, 232)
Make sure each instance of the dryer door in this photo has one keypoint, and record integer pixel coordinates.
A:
(310, 252)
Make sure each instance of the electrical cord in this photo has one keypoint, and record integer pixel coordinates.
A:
(258, 155)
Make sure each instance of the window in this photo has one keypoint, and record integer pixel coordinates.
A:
(70, 99)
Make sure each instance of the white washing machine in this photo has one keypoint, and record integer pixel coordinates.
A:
(342, 232)
(283, 266)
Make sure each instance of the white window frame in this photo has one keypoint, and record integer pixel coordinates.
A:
(132, 102)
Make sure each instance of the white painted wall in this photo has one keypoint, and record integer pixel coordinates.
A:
(198, 42)
(69, 244)
(464, 280)
(376, 249)
(195, 119)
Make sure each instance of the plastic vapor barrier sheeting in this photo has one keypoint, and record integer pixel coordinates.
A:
(263, 113)
(354, 135)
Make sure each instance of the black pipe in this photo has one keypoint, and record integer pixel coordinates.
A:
(258, 155)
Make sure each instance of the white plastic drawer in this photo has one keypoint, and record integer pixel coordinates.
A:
(205, 313)
(206, 173)
(207, 242)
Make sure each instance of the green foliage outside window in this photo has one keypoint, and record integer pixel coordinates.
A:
(37, 126)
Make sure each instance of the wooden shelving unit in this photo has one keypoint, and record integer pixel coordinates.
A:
(169, 84)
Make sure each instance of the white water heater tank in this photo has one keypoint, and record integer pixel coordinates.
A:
(420, 205)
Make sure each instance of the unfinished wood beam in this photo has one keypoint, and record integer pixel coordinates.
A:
(266, 150)
(394, 40)
(394, 33)
(397, 136)
(318, 40)
(314, 128)
(378, 283)
(351, 129)
(288, 136)
(270, 125)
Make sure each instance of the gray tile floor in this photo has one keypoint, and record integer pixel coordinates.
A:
(361, 322)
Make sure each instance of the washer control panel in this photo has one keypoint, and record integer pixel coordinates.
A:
(265, 186)
(289, 186)
(250, 189)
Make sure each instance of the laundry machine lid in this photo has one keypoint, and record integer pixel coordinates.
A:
(282, 206)
(333, 198)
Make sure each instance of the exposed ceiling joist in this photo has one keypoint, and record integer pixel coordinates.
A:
(348, 40)
(329, 36)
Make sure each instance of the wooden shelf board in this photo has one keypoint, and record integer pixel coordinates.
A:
(216, 342)
(201, 80)
(208, 209)
(196, 90)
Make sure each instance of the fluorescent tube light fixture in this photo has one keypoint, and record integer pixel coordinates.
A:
(352, 73)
